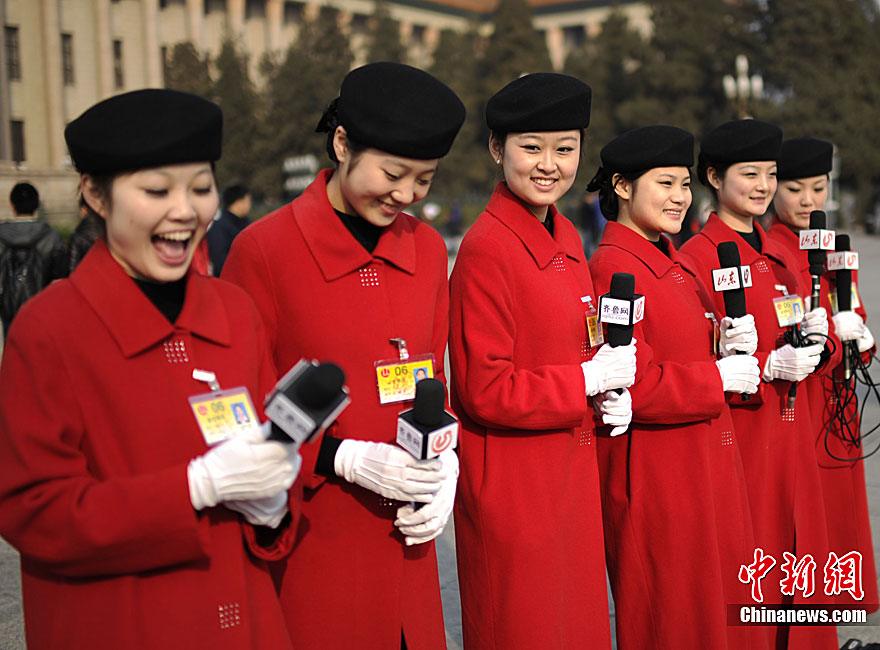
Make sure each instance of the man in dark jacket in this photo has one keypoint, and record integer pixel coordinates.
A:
(32, 253)
(236, 202)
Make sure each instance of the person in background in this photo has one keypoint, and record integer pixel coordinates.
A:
(528, 369)
(804, 165)
(236, 206)
(738, 163)
(674, 500)
(343, 274)
(142, 518)
(88, 231)
(31, 253)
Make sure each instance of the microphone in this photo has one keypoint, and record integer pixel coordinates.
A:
(842, 263)
(731, 280)
(620, 309)
(816, 256)
(427, 429)
(306, 401)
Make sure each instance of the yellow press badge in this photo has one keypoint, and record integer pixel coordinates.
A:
(594, 328)
(397, 378)
(789, 310)
(832, 296)
(224, 414)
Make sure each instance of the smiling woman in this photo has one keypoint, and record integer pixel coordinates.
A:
(120, 498)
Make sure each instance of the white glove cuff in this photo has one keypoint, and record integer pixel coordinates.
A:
(343, 461)
(591, 380)
(202, 493)
(767, 375)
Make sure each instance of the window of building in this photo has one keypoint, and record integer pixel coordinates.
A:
(215, 6)
(359, 22)
(118, 76)
(293, 12)
(255, 9)
(418, 34)
(574, 36)
(13, 54)
(16, 132)
(67, 59)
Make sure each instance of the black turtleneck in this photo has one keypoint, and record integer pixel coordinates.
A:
(661, 245)
(548, 223)
(752, 239)
(366, 233)
(167, 297)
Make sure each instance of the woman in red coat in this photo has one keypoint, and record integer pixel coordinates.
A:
(738, 163)
(122, 497)
(804, 165)
(674, 502)
(342, 274)
(528, 519)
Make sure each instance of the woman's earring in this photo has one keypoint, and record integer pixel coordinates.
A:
(498, 161)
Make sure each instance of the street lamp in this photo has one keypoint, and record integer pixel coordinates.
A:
(741, 88)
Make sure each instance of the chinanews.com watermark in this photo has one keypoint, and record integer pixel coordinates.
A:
(842, 574)
(796, 615)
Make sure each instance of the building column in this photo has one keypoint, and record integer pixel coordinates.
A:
(5, 135)
(53, 82)
(104, 48)
(556, 47)
(153, 54)
(235, 17)
(194, 11)
(274, 21)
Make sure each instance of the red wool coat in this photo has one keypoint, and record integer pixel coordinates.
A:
(95, 436)
(528, 519)
(674, 502)
(843, 482)
(781, 475)
(351, 581)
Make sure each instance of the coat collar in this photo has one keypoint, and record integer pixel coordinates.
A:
(133, 321)
(511, 212)
(620, 236)
(787, 237)
(335, 250)
(717, 231)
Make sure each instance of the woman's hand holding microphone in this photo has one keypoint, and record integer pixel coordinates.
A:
(612, 368)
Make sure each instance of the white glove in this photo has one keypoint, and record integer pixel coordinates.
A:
(792, 364)
(866, 341)
(740, 373)
(738, 335)
(610, 368)
(615, 409)
(389, 470)
(426, 523)
(815, 322)
(848, 325)
(241, 468)
(268, 511)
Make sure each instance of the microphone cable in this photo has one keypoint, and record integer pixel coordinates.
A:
(848, 415)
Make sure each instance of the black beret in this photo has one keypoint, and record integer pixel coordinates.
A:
(543, 101)
(804, 158)
(399, 109)
(145, 128)
(741, 141)
(649, 147)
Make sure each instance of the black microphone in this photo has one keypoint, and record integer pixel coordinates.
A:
(306, 401)
(816, 257)
(427, 429)
(732, 288)
(844, 297)
(623, 287)
(620, 309)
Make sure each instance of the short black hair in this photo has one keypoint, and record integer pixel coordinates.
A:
(234, 193)
(24, 198)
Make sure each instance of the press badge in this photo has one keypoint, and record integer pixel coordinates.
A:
(397, 378)
(222, 414)
(855, 303)
(716, 332)
(594, 329)
(789, 310)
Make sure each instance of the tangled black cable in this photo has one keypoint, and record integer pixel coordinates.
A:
(847, 415)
